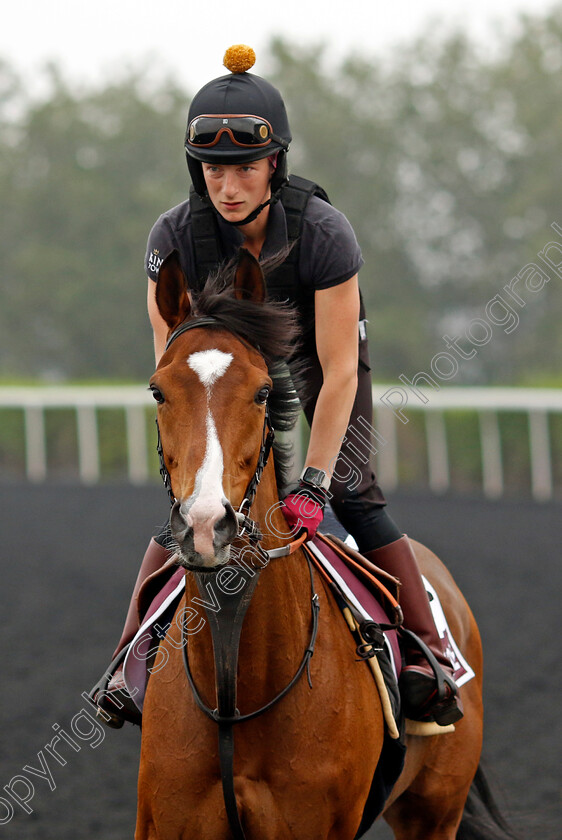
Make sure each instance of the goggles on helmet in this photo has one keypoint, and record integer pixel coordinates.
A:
(244, 130)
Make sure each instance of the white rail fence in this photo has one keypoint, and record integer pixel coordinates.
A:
(86, 401)
(137, 404)
(488, 403)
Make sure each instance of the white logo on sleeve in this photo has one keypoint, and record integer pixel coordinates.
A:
(154, 261)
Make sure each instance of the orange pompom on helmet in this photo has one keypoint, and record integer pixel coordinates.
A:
(237, 118)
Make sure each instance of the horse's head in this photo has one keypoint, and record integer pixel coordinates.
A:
(212, 387)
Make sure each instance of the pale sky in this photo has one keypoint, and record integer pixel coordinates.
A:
(95, 41)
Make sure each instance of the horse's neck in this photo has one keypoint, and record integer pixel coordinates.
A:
(280, 606)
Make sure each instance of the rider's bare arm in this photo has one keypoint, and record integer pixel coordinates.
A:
(337, 314)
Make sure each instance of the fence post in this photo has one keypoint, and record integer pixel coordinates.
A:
(490, 447)
(35, 449)
(437, 454)
(88, 448)
(387, 455)
(539, 443)
(137, 446)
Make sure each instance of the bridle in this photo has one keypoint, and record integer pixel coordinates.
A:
(226, 623)
(246, 525)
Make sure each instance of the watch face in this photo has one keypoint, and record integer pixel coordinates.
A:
(318, 478)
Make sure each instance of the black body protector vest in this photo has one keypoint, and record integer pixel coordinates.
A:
(284, 282)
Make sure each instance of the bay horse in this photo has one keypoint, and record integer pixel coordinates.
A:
(302, 770)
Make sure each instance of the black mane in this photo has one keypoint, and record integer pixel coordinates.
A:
(273, 329)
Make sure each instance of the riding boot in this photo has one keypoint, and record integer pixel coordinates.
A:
(110, 693)
(154, 558)
(427, 685)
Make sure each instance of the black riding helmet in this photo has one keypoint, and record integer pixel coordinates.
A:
(238, 94)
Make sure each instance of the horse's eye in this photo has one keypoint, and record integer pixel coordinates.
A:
(158, 395)
(262, 395)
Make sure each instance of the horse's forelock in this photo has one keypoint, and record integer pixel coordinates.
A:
(270, 326)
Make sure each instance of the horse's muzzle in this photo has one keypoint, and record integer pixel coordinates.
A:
(202, 543)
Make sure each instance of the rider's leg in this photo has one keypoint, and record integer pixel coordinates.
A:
(154, 558)
(110, 693)
(423, 698)
(359, 504)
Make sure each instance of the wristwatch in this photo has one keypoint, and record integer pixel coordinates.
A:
(317, 478)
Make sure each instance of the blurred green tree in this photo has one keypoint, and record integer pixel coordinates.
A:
(82, 185)
(446, 160)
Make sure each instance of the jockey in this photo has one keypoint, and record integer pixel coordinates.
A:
(236, 146)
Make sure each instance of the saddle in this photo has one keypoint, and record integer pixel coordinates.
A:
(368, 599)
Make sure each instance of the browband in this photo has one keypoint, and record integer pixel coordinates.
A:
(203, 321)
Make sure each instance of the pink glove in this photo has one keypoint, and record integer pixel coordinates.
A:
(302, 512)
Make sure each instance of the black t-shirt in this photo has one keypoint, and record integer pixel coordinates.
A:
(329, 253)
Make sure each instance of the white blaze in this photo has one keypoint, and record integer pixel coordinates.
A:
(209, 365)
(208, 505)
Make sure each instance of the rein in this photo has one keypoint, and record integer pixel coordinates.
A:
(226, 622)
(222, 717)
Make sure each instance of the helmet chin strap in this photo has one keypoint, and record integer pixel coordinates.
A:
(251, 216)
(255, 213)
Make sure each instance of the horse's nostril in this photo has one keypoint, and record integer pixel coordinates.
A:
(178, 524)
(227, 527)
(221, 533)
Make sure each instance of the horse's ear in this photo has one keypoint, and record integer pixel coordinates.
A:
(248, 282)
(171, 291)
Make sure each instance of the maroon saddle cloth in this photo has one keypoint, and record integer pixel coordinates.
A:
(372, 592)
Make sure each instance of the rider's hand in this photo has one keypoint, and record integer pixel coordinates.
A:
(304, 508)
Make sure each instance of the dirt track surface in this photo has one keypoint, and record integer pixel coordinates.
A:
(68, 559)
